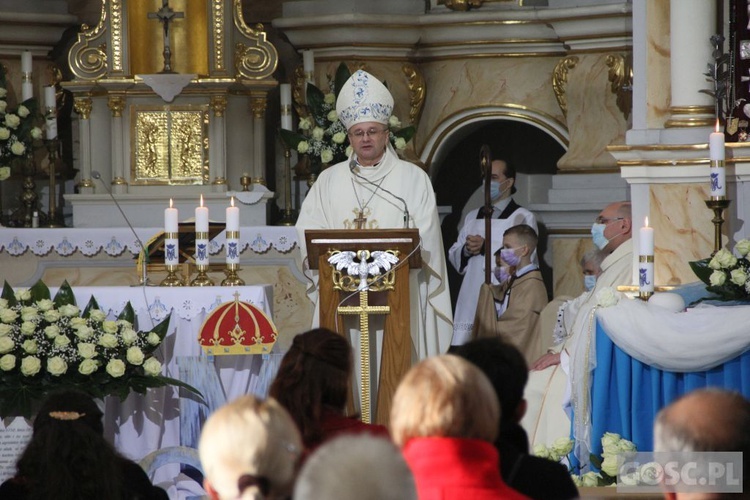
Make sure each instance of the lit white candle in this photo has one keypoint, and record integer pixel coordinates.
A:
(50, 112)
(171, 228)
(201, 230)
(233, 234)
(646, 259)
(171, 218)
(717, 173)
(286, 106)
(27, 86)
(646, 239)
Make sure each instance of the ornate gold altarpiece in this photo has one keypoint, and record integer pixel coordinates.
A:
(154, 134)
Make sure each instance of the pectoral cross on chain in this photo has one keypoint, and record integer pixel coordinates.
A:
(364, 310)
(361, 220)
(166, 15)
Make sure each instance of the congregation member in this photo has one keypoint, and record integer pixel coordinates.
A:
(68, 458)
(445, 418)
(710, 419)
(374, 189)
(356, 467)
(313, 383)
(249, 449)
(507, 371)
(511, 310)
(559, 378)
(591, 265)
(467, 253)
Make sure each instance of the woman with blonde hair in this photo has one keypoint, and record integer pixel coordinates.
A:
(249, 449)
(445, 418)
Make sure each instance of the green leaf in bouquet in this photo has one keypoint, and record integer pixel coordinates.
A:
(179, 383)
(8, 293)
(93, 304)
(342, 75)
(162, 328)
(595, 461)
(291, 139)
(315, 101)
(64, 296)
(128, 314)
(406, 133)
(39, 291)
(701, 270)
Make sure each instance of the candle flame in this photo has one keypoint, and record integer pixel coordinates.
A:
(646, 223)
(232, 201)
(717, 126)
(201, 200)
(170, 203)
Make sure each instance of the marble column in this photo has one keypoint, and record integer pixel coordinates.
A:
(258, 104)
(218, 150)
(692, 22)
(82, 106)
(119, 185)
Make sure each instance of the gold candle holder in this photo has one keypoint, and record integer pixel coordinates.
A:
(232, 278)
(172, 279)
(202, 278)
(245, 182)
(718, 204)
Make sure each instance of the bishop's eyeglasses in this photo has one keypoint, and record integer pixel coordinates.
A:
(360, 134)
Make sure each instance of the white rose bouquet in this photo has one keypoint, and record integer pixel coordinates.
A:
(322, 137)
(727, 275)
(50, 344)
(614, 450)
(19, 132)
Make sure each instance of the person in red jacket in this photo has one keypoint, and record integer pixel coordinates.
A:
(313, 383)
(445, 418)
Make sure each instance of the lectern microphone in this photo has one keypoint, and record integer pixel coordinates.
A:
(144, 271)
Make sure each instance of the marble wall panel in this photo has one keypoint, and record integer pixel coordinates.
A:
(683, 230)
(658, 55)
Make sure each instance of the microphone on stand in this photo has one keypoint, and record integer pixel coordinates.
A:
(144, 272)
(353, 165)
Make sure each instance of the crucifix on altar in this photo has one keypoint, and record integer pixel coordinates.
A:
(371, 264)
(166, 15)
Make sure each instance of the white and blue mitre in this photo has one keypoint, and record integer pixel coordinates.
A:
(363, 98)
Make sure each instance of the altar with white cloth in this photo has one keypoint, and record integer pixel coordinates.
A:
(647, 356)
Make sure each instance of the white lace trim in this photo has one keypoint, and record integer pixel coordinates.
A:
(115, 241)
(560, 334)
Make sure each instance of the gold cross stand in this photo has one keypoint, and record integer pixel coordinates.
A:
(364, 309)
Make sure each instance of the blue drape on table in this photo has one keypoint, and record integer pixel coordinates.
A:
(626, 394)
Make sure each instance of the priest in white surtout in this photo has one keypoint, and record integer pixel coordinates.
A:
(341, 198)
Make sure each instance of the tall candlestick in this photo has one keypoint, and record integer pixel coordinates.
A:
(646, 260)
(50, 112)
(717, 172)
(201, 234)
(171, 235)
(286, 106)
(27, 86)
(233, 234)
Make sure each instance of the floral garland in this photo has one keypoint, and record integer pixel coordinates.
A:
(50, 344)
(18, 131)
(322, 137)
(725, 274)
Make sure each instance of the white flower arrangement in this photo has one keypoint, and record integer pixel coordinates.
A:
(607, 297)
(48, 345)
(322, 136)
(726, 274)
(614, 448)
(18, 130)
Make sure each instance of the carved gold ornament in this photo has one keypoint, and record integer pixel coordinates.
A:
(462, 5)
(256, 61)
(417, 92)
(88, 56)
(560, 80)
(82, 106)
(621, 81)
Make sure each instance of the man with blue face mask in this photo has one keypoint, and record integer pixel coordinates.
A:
(564, 367)
(467, 253)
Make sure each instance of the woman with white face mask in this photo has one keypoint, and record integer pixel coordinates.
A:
(467, 253)
(591, 266)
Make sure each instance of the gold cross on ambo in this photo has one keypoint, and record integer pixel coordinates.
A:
(364, 309)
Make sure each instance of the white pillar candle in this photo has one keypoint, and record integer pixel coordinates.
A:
(201, 238)
(50, 112)
(717, 173)
(286, 106)
(646, 239)
(27, 86)
(308, 61)
(171, 229)
(233, 234)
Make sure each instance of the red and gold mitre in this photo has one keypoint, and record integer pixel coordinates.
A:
(237, 328)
